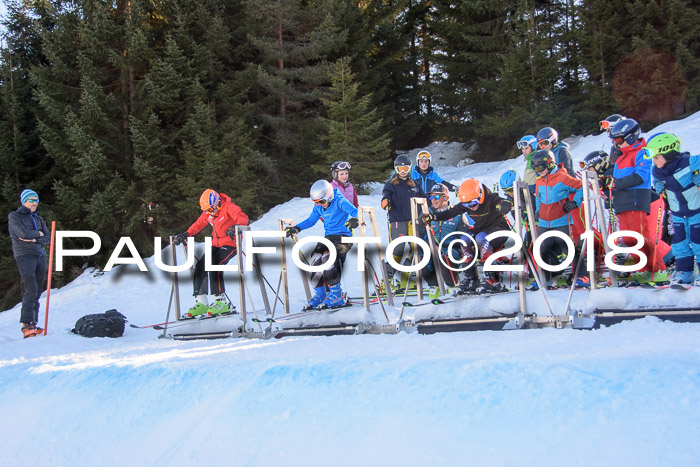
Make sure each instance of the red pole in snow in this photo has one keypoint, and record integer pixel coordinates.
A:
(48, 279)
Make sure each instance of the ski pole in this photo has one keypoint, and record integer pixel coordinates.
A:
(656, 237)
(535, 272)
(48, 279)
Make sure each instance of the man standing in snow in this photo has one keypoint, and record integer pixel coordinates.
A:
(29, 234)
(223, 215)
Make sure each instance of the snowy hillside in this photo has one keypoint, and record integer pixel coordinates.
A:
(626, 394)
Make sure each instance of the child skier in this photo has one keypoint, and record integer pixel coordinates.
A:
(223, 215)
(425, 175)
(340, 171)
(528, 144)
(440, 201)
(553, 207)
(487, 210)
(548, 138)
(673, 172)
(339, 217)
(396, 200)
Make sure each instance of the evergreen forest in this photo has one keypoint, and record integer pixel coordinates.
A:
(120, 113)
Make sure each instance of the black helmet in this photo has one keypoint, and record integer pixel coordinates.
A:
(544, 158)
(628, 129)
(339, 165)
(402, 161)
(599, 160)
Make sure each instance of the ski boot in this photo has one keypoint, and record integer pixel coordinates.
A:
(434, 293)
(199, 308)
(682, 278)
(317, 299)
(490, 285)
(335, 298)
(221, 306)
(466, 286)
(31, 330)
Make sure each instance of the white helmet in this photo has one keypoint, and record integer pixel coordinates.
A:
(321, 192)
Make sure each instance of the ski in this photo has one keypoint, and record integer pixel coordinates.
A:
(151, 325)
(456, 298)
(680, 287)
(414, 305)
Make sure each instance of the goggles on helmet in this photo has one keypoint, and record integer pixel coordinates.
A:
(605, 125)
(471, 204)
(539, 168)
(583, 165)
(618, 140)
(344, 166)
(403, 168)
(544, 143)
(650, 153)
(522, 144)
(321, 201)
(423, 155)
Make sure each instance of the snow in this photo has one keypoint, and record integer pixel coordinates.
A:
(623, 394)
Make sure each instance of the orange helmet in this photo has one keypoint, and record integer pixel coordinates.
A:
(471, 192)
(210, 201)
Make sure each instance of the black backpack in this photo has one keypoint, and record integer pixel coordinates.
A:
(107, 324)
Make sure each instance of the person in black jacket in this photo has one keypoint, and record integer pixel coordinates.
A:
(487, 210)
(396, 200)
(29, 234)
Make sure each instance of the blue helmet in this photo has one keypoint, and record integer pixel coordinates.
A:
(548, 134)
(507, 179)
(527, 140)
(627, 129)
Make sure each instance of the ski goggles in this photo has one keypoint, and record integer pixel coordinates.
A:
(423, 156)
(605, 125)
(471, 204)
(544, 143)
(440, 196)
(539, 168)
(648, 154)
(618, 140)
(344, 166)
(32, 200)
(522, 144)
(403, 168)
(322, 201)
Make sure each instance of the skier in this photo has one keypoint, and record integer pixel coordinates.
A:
(487, 210)
(29, 234)
(440, 201)
(548, 138)
(425, 175)
(223, 215)
(607, 124)
(553, 205)
(396, 200)
(340, 171)
(674, 173)
(528, 144)
(632, 194)
(339, 218)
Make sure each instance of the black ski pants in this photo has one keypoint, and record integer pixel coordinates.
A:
(219, 256)
(32, 269)
(330, 276)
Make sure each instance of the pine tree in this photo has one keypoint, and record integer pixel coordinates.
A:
(354, 129)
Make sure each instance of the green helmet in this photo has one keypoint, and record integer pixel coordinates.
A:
(666, 144)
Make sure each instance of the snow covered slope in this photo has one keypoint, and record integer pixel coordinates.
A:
(625, 394)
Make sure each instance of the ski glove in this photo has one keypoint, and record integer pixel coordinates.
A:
(180, 238)
(428, 218)
(569, 206)
(293, 230)
(386, 204)
(352, 223)
(451, 187)
(504, 206)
